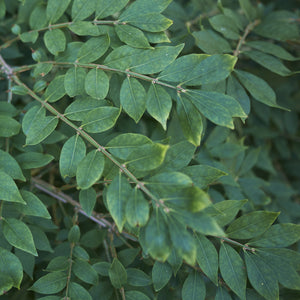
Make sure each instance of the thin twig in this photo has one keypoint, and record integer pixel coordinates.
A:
(242, 39)
(230, 241)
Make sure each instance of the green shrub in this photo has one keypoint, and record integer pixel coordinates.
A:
(143, 152)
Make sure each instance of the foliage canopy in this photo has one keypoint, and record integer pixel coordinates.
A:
(147, 148)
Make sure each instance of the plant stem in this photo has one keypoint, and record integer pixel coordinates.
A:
(72, 245)
(242, 39)
(61, 25)
(230, 241)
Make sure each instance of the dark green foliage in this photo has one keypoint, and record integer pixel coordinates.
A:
(149, 149)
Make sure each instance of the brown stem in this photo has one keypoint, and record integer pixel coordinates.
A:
(242, 39)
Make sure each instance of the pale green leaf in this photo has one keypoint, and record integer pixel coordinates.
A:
(90, 169)
(132, 36)
(29, 37)
(51, 283)
(133, 98)
(55, 41)
(56, 89)
(19, 235)
(137, 209)
(96, 84)
(193, 287)
(100, 119)
(74, 81)
(159, 104)
(207, 257)
(84, 28)
(261, 276)
(9, 190)
(117, 274)
(105, 8)
(73, 151)
(81, 9)
(93, 49)
(9, 126)
(161, 274)
(87, 200)
(251, 225)
(9, 165)
(56, 9)
(118, 194)
(233, 270)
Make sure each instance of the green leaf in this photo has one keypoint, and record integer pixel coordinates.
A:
(284, 271)
(277, 25)
(233, 270)
(161, 274)
(19, 90)
(117, 274)
(42, 69)
(147, 157)
(133, 98)
(93, 49)
(85, 272)
(127, 256)
(159, 104)
(87, 200)
(222, 294)
(55, 41)
(272, 49)
(40, 239)
(178, 156)
(169, 182)
(258, 88)
(11, 271)
(9, 165)
(190, 120)
(210, 42)
(118, 194)
(236, 90)
(203, 175)
(73, 151)
(51, 283)
(84, 28)
(105, 9)
(207, 257)
(193, 287)
(136, 295)
(225, 25)
(9, 190)
(2, 14)
(56, 9)
(58, 263)
(29, 37)
(34, 206)
(96, 84)
(90, 169)
(279, 235)
(248, 9)
(74, 81)
(182, 240)
(74, 234)
(81, 9)
(251, 225)
(78, 109)
(157, 239)
(102, 268)
(153, 22)
(56, 89)
(175, 261)
(36, 126)
(77, 292)
(144, 61)
(31, 160)
(269, 62)
(124, 144)
(132, 36)
(137, 209)
(8, 109)
(136, 277)
(217, 107)
(227, 210)
(100, 119)
(18, 235)
(261, 276)
(8, 126)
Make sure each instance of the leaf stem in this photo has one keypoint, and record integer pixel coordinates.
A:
(230, 241)
(242, 39)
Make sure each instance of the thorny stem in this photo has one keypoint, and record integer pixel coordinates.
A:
(61, 25)
(242, 39)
